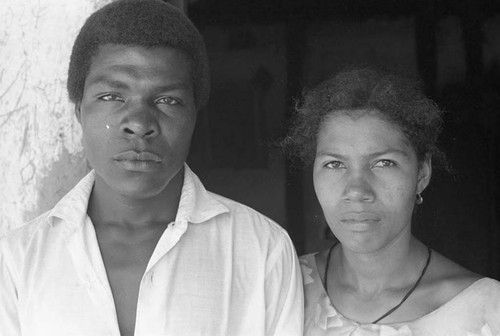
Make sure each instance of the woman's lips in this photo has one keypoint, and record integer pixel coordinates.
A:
(359, 217)
(360, 221)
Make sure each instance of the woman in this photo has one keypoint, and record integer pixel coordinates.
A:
(371, 138)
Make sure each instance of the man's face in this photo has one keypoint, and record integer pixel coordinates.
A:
(137, 115)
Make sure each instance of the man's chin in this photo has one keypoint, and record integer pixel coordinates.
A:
(141, 188)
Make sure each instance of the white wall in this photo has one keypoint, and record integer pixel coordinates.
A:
(41, 155)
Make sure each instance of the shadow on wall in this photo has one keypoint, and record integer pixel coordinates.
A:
(59, 178)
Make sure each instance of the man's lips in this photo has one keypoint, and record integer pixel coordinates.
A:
(133, 155)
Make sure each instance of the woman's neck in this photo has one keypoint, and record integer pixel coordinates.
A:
(392, 266)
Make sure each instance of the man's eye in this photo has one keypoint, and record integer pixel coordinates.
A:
(110, 97)
(167, 101)
(384, 163)
(334, 165)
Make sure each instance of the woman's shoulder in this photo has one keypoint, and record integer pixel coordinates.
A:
(449, 273)
(457, 299)
(316, 261)
(308, 258)
(312, 267)
(446, 280)
(309, 268)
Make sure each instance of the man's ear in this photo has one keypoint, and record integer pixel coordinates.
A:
(78, 112)
(424, 174)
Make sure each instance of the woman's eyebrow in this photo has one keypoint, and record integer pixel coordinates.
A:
(390, 151)
(374, 154)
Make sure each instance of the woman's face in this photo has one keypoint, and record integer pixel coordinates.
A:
(366, 175)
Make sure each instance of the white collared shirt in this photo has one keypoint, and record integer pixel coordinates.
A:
(220, 269)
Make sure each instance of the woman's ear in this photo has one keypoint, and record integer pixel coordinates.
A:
(424, 173)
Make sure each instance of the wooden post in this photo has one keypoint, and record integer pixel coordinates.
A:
(472, 36)
(425, 36)
(294, 191)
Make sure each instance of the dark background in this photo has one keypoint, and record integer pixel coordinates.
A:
(264, 52)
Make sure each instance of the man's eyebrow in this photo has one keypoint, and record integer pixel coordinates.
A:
(118, 84)
(173, 86)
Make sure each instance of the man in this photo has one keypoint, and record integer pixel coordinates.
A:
(139, 247)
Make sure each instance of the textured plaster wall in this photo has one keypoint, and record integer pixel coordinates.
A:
(41, 155)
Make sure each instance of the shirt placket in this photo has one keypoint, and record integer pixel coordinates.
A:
(167, 242)
(99, 290)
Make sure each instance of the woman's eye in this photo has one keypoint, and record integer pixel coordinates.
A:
(384, 163)
(110, 97)
(167, 101)
(334, 165)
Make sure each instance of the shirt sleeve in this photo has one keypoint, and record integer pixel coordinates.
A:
(284, 292)
(9, 320)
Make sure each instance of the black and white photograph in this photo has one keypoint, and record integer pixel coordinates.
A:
(267, 167)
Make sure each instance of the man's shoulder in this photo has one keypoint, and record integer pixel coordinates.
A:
(244, 216)
(68, 209)
(22, 237)
(238, 209)
(256, 236)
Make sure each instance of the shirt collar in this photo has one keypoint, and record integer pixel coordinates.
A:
(72, 208)
(196, 204)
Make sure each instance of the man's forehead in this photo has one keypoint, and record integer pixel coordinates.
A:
(126, 58)
(125, 48)
(117, 65)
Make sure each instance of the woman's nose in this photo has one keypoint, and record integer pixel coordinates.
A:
(358, 188)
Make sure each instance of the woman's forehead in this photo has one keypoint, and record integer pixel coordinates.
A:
(355, 114)
(361, 130)
(375, 116)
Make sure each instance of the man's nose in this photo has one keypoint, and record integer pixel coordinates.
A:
(140, 121)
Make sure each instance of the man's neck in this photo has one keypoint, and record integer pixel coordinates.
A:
(108, 207)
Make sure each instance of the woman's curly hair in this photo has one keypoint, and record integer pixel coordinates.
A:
(401, 101)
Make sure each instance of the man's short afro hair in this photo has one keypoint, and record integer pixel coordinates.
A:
(145, 23)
